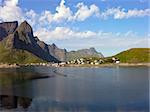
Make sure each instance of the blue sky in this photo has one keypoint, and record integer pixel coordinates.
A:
(108, 25)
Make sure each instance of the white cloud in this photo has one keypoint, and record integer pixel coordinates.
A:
(46, 16)
(103, 41)
(11, 2)
(31, 17)
(61, 33)
(65, 33)
(121, 13)
(84, 11)
(75, 39)
(10, 11)
(62, 12)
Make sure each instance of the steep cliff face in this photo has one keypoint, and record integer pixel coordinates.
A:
(7, 28)
(60, 54)
(14, 38)
(21, 37)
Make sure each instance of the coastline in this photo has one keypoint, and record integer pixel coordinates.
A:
(111, 65)
(9, 66)
(77, 65)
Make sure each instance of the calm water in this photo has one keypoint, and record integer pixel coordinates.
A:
(76, 89)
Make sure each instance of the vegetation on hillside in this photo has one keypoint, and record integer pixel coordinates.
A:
(134, 55)
(8, 55)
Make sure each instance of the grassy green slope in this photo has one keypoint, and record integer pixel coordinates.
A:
(8, 55)
(134, 55)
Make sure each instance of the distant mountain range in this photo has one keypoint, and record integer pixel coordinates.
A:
(19, 45)
(91, 52)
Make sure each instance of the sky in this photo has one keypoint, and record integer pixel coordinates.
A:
(110, 26)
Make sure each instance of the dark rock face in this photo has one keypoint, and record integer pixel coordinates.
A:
(23, 39)
(7, 28)
(60, 54)
(53, 50)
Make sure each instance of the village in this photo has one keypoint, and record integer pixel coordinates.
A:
(88, 61)
(82, 61)
(93, 61)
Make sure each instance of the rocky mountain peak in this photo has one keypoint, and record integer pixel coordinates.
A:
(26, 28)
(53, 45)
(7, 28)
(92, 49)
(21, 37)
(25, 33)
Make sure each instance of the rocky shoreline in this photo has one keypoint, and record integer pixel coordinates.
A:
(75, 65)
(9, 66)
(110, 65)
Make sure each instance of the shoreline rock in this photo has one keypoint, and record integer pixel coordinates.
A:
(110, 65)
(76, 65)
(9, 66)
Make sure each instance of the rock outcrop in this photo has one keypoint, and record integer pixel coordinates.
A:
(7, 28)
(21, 37)
(60, 54)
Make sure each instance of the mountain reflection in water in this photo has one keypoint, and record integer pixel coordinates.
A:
(16, 87)
(14, 94)
(11, 102)
(75, 89)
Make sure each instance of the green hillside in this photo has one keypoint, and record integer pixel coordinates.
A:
(134, 55)
(8, 55)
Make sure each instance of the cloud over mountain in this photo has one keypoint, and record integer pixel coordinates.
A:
(69, 22)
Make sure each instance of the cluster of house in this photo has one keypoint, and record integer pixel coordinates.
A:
(91, 61)
(39, 64)
(81, 61)
(115, 60)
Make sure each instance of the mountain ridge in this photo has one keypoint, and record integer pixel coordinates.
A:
(20, 37)
(83, 53)
(7, 28)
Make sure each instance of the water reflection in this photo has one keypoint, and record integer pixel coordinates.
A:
(14, 92)
(82, 89)
(16, 87)
(11, 102)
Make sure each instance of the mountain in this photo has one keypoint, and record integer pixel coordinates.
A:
(19, 41)
(134, 55)
(58, 53)
(7, 28)
(19, 45)
(91, 52)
